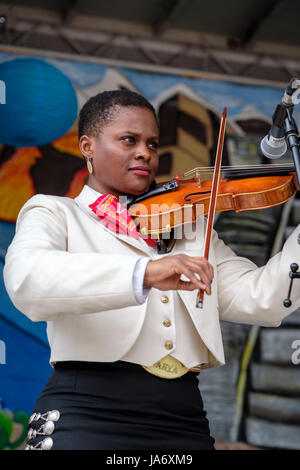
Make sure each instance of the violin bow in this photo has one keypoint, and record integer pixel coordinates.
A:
(213, 198)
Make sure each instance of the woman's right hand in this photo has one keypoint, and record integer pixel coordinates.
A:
(165, 273)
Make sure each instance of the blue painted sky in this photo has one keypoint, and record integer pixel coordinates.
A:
(219, 93)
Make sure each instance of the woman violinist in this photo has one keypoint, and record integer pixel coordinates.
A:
(127, 341)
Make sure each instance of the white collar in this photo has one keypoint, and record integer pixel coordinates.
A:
(87, 196)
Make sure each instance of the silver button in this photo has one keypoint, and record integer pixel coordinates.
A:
(53, 415)
(47, 444)
(48, 428)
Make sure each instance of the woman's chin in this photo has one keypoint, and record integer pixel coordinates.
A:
(137, 191)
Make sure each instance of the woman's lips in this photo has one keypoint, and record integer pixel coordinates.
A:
(141, 171)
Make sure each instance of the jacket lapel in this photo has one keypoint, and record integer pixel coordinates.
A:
(87, 197)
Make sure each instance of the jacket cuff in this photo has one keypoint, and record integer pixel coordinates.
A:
(140, 292)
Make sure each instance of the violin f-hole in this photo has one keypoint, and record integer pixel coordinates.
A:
(187, 196)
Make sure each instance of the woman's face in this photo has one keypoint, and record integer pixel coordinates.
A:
(125, 153)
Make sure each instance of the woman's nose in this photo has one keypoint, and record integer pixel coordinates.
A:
(143, 152)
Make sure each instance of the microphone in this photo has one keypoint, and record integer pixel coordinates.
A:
(273, 145)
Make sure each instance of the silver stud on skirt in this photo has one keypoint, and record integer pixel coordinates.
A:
(45, 444)
(46, 429)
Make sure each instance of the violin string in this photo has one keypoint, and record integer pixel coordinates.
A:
(241, 167)
(259, 165)
(237, 168)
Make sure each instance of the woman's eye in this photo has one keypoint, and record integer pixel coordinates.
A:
(128, 138)
(132, 140)
(153, 145)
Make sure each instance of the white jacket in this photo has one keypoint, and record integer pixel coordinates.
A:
(64, 267)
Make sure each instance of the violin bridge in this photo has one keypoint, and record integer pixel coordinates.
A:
(198, 177)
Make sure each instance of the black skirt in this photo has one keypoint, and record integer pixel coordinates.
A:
(118, 406)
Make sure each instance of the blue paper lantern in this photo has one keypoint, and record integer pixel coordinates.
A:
(41, 103)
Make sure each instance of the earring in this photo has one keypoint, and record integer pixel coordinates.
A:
(89, 165)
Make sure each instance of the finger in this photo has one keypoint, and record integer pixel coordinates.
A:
(202, 272)
(182, 266)
(195, 282)
(204, 262)
(208, 268)
(186, 285)
(187, 266)
(189, 285)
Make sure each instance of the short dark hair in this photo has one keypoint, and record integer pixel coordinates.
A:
(99, 110)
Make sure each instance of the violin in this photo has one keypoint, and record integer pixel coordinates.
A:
(241, 188)
(245, 188)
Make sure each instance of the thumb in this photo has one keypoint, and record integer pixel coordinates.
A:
(185, 285)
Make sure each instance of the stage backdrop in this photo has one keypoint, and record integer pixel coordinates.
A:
(189, 110)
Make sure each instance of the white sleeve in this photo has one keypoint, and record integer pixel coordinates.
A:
(255, 295)
(44, 280)
(140, 292)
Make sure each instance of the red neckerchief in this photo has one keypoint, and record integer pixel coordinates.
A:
(116, 217)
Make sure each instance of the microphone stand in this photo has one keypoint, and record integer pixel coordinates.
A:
(294, 274)
(291, 134)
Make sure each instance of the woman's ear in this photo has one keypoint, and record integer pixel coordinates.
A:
(86, 146)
